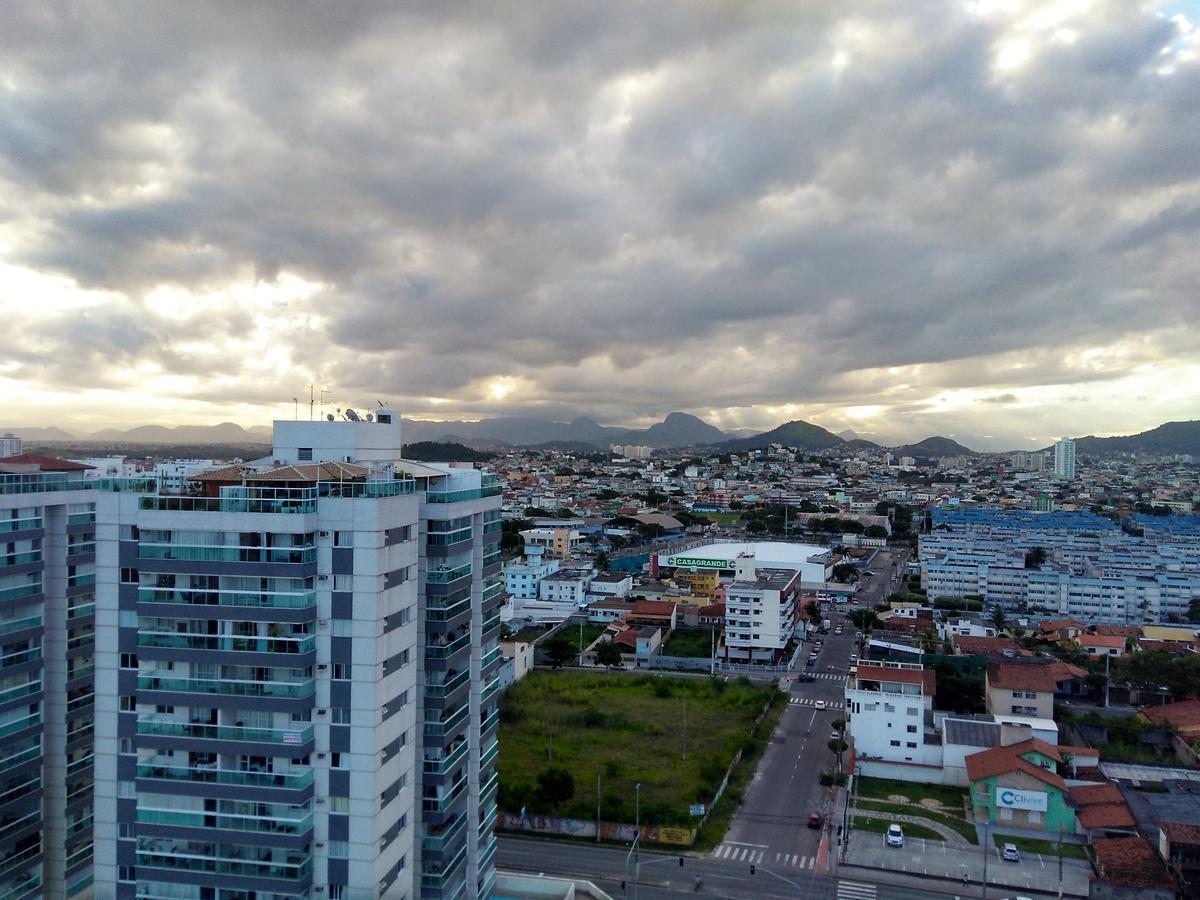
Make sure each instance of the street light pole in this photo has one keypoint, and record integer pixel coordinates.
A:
(685, 727)
(983, 886)
(597, 806)
(1060, 856)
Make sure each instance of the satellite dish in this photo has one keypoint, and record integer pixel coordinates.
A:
(370, 418)
(329, 417)
(352, 416)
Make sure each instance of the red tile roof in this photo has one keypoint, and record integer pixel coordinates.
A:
(1088, 794)
(1106, 815)
(1000, 760)
(987, 645)
(1181, 832)
(1122, 630)
(44, 463)
(652, 608)
(1031, 676)
(1184, 715)
(1130, 861)
(868, 672)
(1101, 640)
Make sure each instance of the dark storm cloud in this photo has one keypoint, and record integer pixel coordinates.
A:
(629, 208)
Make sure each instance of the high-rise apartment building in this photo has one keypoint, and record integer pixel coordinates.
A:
(47, 605)
(1064, 459)
(10, 445)
(297, 674)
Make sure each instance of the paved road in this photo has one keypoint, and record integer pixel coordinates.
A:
(887, 567)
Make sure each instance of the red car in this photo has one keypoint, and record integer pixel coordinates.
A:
(815, 820)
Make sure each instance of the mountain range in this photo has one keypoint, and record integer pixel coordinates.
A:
(676, 430)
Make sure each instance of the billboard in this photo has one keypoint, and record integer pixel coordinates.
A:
(1011, 798)
(696, 562)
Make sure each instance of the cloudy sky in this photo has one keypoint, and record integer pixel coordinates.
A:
(977, 219)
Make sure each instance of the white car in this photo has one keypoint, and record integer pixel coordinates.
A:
(820, 704)
(1011, 853)
(895, 836)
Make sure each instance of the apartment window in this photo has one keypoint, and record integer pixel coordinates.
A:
(343, 539)
(339, 849)
(125, 830)
(912, 729)
(126, 745)
(304, 454)
(126, 790)
(888, 708)
(128, 703)
(402, 698)
(129, 576)
(894, 743)
(337, 891)
(335, 760)
(406, 615)
(339, 804)
(341, 628)
(128, 661)
(405, 656)
(339, 715)
(910, 745)
(341, 671)
(343, 582)
(126, 873)
(912, 710)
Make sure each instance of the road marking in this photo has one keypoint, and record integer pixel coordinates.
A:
(853, 890)
(742, 844)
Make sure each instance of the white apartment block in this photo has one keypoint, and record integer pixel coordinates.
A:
(889, 713)
(1064, 459)
(566, 589)
(297, 675)
(521, 578)
(10, 445)
(761, 612)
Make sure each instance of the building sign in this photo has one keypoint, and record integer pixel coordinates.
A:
(698, 563)
(293, 737)
(1010, 798)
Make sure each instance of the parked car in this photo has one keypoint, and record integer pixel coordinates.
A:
(1011, 853)
(895, 836)
(811, 662)
(815, 820)
(805, 677)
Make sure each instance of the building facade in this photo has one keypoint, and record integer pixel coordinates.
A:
(521, 578)
(762, 610)
(1064, 460)
(296, 676)
(47, 722)
(889, 713)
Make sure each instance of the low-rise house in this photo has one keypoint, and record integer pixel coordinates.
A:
(612, 584)
(1061, 629)
(1179, 847)
(657, 613)
(1098, 645)
(1101, 810)
(889, 715)
(1017, 786)
(601, 611)
(1027, 689)
(1127, 868)
(517, 662)
(987, 646)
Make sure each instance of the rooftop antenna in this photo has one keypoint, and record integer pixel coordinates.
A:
(310, 402)
(323, 393)
(379, 403)
(295, 408)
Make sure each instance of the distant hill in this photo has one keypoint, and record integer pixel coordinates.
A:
(436, 451)
(860, 444)
(1170, 438)
(676, 430)
(934, 448)
(799, 434)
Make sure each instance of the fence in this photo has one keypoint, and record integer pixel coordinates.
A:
(676, 663)
(609, 831)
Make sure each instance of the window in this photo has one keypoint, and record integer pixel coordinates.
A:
(894, 743)
(339, 804)
(125, 830)
(912, 710)
(339, 849)
(304, 454)
(341, 671)
(128, 661)
(912, 729)
(341, 628)
(126, 873)
(337, 891)
(128, 703)
(339, 715)
(343, 582)
(910, 745)
(129, 576)
(406, 615)
(335, 760)
(343, 539)
(126, 790)
(126, 745)
(405, 656)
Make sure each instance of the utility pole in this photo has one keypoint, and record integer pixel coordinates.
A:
(986, 838)
(581, 643)
(685, 727)
(549, 749)
(597, 806)
(1060, 856)
(1107, 668)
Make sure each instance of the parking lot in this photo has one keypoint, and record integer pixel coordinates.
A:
(933, 858)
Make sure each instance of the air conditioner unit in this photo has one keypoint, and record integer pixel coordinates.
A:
(322, 578)
(324, 534)
(320, 801)
(321, 712)
(321, 667)
(319, 844)
(320, 756)
(321, 623)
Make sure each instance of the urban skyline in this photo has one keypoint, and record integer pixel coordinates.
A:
(968, 219)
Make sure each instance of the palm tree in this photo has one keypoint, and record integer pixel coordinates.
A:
(928, 640)
(998, 619)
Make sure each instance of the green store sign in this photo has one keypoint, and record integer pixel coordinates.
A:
(696, 562)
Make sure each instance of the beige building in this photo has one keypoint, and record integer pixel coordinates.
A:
(1026, 689)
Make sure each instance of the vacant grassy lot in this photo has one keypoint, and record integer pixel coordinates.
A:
(1046, 848)
(570, 633)
(697, 642)
(880, 826)
(530, 633)
(630, 730)
(951, 798)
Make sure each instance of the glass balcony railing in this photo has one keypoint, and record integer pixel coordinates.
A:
(229, 687)
(435, 877)
(451, 684)
(434, 614)
(187, 641)
(490, 752)
(24, 656)
(489, 624)
(200, 775)
(491, 591)
(438, 842)
(20, 690)
(202, 731)
(444, 651)
(491, 558)
(446, 575)
(490, 657)
(442, 802)
(445, 538)
(225, 821)
(82, 855)
(489, 722)
(10, 829)
(28, 887)
(487, 818)
(489, 690)
(18, 860)
(298, 600)
(20, 559)
(228, 554)
(7, 626)
(81, 610)
(447, 725)
(21, 756)
(21, 590)
(447, 763)
(295, 868)
(30, 524)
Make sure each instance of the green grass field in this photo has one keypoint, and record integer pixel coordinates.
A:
(571, 634)
(962, 826)
(694, 642)
(951, 798)
(630, 730)
(1044, 847)
(530, 633)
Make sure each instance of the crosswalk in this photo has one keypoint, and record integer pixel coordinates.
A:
(808, 701)
(855, 890)
(749, 853)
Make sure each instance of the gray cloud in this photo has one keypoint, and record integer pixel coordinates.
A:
(628, 209)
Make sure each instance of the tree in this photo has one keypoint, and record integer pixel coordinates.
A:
(1193, 612)
(558, 650)
(555, 786)
(875, 531)
(536, 512)
(602, 561)
(608, 655)
(1035, 558)
(846, 573)
(863, 619)
(998, 620)
(929, 641)
(812, 609)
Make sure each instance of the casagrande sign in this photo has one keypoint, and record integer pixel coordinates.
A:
(696, 562)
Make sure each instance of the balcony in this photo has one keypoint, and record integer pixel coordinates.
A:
(298, 600)
(445, 575)
(31, 524)
(20, 690)
(21, 724)
(490, 657)
(488, 818)
(489, 690)
(19, 860)
(20, 559)
(491, 591)
(434, 614)
(22, 590)
(295, 868)
(442, 803)
(447, 726)
(449, 686)
(446, 538)
(294, 555)
(27, 887)
(235, 643)
(290, 690)
(435, 877)
(201, 731)
(490, 559)
(447, 763)
(22, 756)
(490, 722)
(438, 842)
(198, 775)
(225, 821)
(445, 651)
(490, 752)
